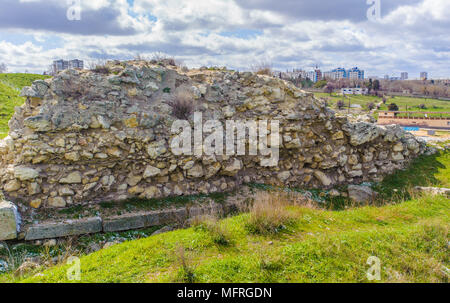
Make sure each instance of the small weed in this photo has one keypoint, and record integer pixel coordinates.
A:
(186, 272)
(212, 225)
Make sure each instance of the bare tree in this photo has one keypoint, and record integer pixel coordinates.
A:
(329, 88)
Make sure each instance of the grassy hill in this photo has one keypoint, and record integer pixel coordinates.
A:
(281, 242)
(10, 87)
(432, 105)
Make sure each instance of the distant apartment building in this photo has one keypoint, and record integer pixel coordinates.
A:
(423, 75)
(404, 76)
(314, 76)
(355, 74)
(79, 64)
(59, 65)
(342, 73)
(354, 91)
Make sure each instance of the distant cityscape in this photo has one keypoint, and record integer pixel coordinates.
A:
(315, 75)
(340, 73)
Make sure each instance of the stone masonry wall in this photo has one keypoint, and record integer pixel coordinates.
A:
(85, 137)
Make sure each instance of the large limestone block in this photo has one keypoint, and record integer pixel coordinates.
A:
(361, 132)
(64, 229)
(359, 193)
(8, 221)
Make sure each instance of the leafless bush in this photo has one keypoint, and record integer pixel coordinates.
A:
(183, 104)
(140, 57)
(99, 67)
(262, 68)
(160, 58)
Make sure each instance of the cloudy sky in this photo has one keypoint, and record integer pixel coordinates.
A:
(411, 35)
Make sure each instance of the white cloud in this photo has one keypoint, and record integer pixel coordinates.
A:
(412, 36)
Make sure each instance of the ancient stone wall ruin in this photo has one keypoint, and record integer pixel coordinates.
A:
(85, 137)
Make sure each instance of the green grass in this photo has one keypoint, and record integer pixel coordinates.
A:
(409, 237)
(10, 86)
(19, 81)
(433, 105)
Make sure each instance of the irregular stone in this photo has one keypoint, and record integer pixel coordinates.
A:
(38, 123)
(8, 221)
(72, 178)
(151, 171)
(232, 168)
(13, 185)
(114, 152)
(397, 157)
(151, 192)
(156, 149)
(73, 156)
(66, 191)
(196, 171)
(25, 173)
(398, 147)
(57, 202)
(36, 203)
(338, 136)
(360, 193)
(361, 132)
(133, 180)
(283, 176)
(34, 188)
(434, 190)
(324, 179)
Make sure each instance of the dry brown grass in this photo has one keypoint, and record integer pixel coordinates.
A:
(262, 68)
(270, 213)
(183, 104)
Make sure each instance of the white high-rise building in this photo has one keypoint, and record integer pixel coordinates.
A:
(59, 65)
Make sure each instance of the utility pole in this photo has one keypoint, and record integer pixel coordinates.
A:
(349, 103)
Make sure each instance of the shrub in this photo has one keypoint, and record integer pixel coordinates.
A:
(320, 84)
(183, 104)
(269, 213)
(340, 104)
(393, 107)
